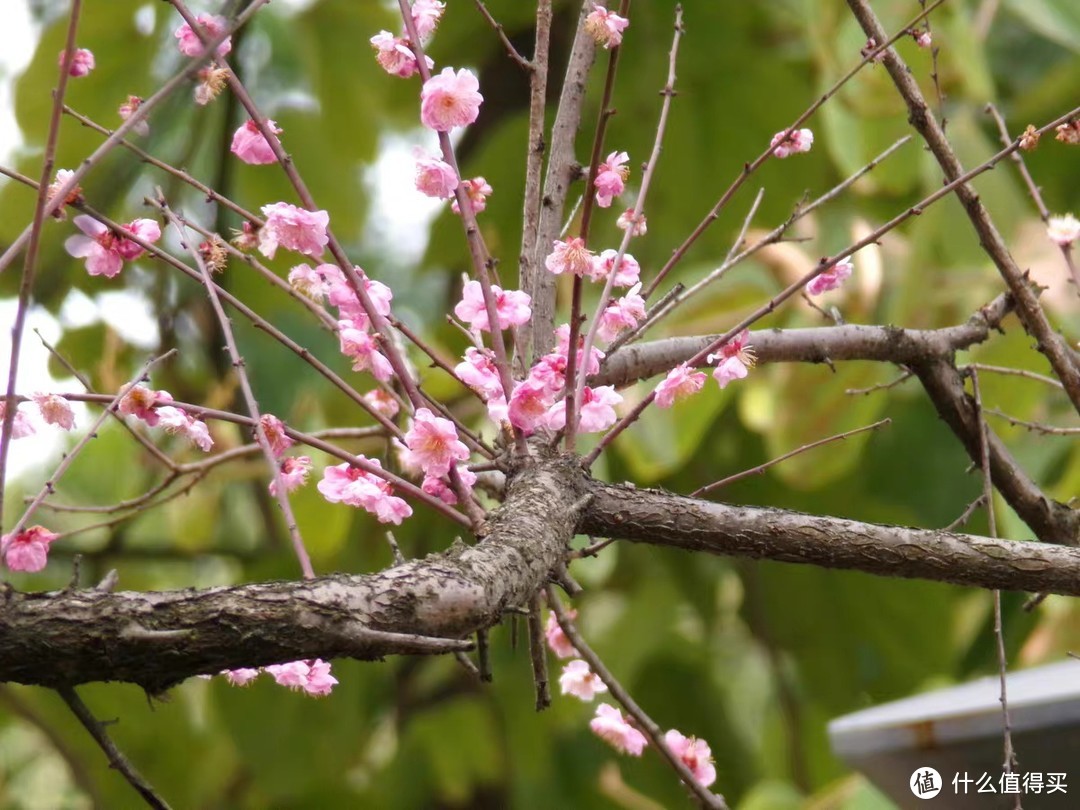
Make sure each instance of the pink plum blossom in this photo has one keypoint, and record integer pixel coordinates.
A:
(55, 410)
(309, 282)
(435, 177)
(611, 178)
(441, 489)
(695, 754)
(382, 403)
(922, 37)
(106, 251)
(55, 187)
(128, 109)
(312, 677)
(1063, 230)
(351, 485)
(319, 680)
(293, 228)
(610, 726)
(426, 15)
(638, 226)
(212, 80)
(251, 146)
(28, 550)
(240, 677)
(605, 26)
(562, 344)
(734, 360)
(679, 383)
(1068, 133)
(363, 348)
(478, 371)
(294, 473)
(213, 26)
(342, 295)
(175, 420)
(292, 674)
(274, 429)
(434, 443)
(556, 638)
(395, 56)
(623, 313)
(626, 276)
(450, 100)
(580, 681)
(82, 62)
(869, 48)
(595, 413)
(511, 306)
(800, 140)
(831, 278)
(528, 405)
(570, 257)
(141, 402)
(478, 190)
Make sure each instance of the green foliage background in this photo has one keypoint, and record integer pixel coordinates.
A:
(754, 657)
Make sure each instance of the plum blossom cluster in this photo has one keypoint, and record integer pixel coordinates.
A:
(82, 62)
(212, 78)
(394, 54)
(830, 279)
(785, 143)
(26, 550)
(106, 250)
(311, 677)
(349, 484)
(153, 408)
(52, 408)
(610, 724)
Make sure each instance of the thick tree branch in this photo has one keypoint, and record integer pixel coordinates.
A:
(661, 518)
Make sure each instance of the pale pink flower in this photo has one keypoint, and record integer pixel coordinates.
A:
(498, 409)
(556, 639)
(695, 754)
(580, 681)
(212, 81)
(274, 429)
(28, 550)
(104, 250)
(570, 257)
(438, 488)
(450, 100)
(72, 197)
(128, 108)
(1063, 230)
(382, 403)
(395, 56)
(240, 677)
(293, 674)
(638, 226)
(434, 443)
(610, 726)
(800, 140)
(868, 48)
(1068, 133)
(141, 402)
(596, 411)
(478, 190)
(605, 26)
(624, 313)
(626, 276)
(309, 282)
(562, 349)
(426, 15)
(81, 63)
(611, 178)
(922, 37)
(679, 383)
(55, 410)
(511, 306)
(247, 238)
(351, 485)
(528, 405)
(293, 228)
(294, 473)
(319, 680)
(435, 177)
(478, 371)
(735, 359)
(363, 348)
(213, 26)
(342, 295)
(251, 146)
(831, 278)
(175, 420)
(21, 424)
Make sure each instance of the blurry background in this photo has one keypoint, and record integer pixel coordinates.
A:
(753, 657)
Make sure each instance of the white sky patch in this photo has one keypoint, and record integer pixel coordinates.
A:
(127, 312)
(18, 39)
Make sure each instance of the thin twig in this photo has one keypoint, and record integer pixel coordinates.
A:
(521, 61)
(117, 761)
(904, 377)
(538, 655)
(648, 727)
(723, 482)
(1018, 372)
(965, 516)
(1038, 427)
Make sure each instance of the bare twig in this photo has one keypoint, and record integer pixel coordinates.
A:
(521, 61)
(538, 655)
